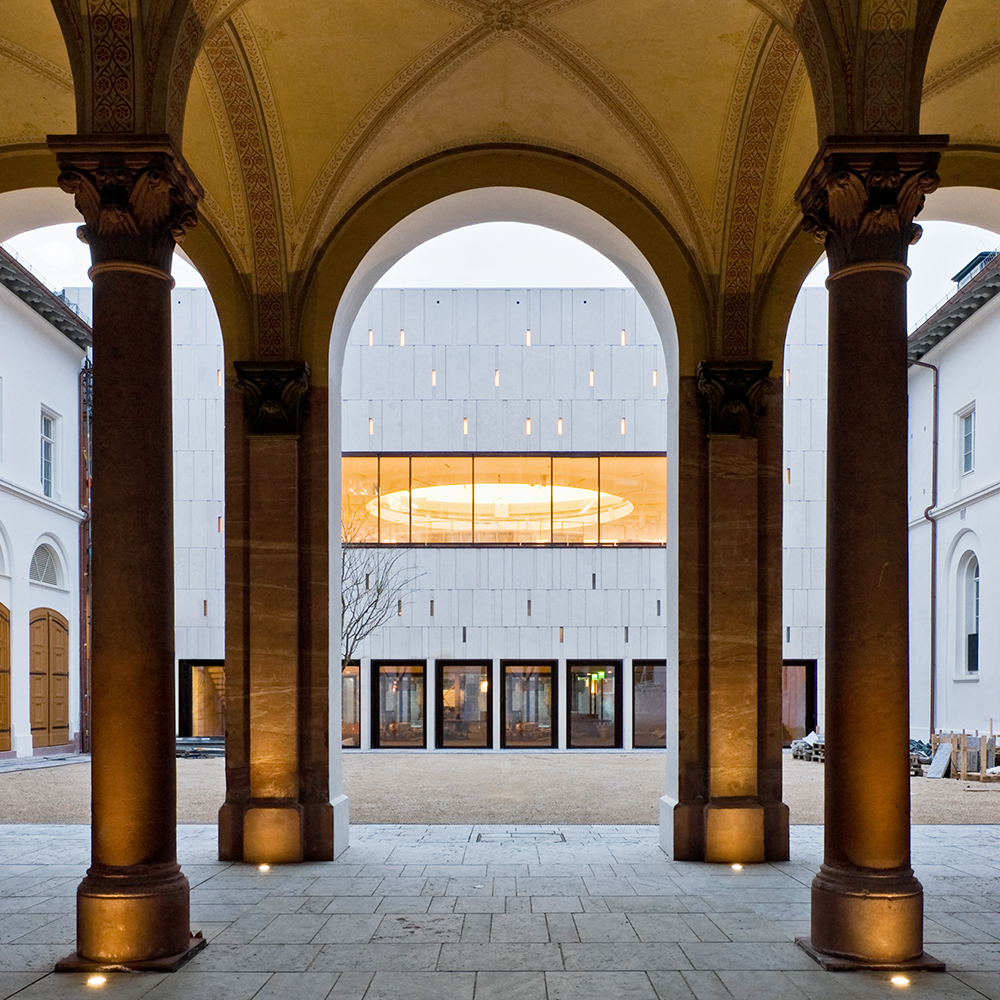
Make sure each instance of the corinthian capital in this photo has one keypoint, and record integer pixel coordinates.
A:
(274, 394)
(136, 194)
(732, 395)
(860, 198)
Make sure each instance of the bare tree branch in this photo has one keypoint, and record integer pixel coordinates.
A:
(373, 580)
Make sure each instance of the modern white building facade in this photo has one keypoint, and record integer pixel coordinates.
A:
(532, 606)
(43, 349)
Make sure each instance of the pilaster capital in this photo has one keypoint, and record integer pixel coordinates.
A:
(136, 194)
(732, 395)
(274, 395)
(860, 197)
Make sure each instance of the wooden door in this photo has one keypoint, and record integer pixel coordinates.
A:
(49, 678)
(5, 740)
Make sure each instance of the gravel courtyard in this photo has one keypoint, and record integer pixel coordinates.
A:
(463, 787)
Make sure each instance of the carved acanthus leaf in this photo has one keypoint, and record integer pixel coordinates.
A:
(137, 202)
(274, 395)
(860, 203)
(732, 395)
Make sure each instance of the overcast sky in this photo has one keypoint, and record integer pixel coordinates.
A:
(512, 255)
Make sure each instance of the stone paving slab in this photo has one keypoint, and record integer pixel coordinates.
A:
(439, 913)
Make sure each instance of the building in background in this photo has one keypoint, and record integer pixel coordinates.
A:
(43, 397)
(505, 450)
(954, 508)
(199, 495)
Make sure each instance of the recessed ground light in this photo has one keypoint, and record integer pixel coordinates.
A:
(899, 981)
(96, 981)
(737, 867)
(263, 868)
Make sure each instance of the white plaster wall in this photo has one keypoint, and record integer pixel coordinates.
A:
(199, 472)
(968, 519)
(803, 380)
(39, 367)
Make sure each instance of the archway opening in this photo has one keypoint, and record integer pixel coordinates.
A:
(525, 696)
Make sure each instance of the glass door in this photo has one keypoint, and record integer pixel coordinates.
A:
(464, 712)
(350, 705)
(528, 705)
(398, 692)
(594, 716)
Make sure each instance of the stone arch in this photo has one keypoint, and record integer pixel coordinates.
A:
(505, 167)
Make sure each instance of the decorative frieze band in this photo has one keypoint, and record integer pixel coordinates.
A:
(274, 394)
(136, 194)
(732, 395)
(860, 200)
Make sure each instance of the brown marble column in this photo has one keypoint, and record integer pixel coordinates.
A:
(860, 200)
(277, 805)
(729, 805)
(137, 198)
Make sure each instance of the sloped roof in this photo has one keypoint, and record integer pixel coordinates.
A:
(53, 309)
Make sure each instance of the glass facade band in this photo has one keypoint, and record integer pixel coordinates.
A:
(594, 718)
(398, 704)
(504, 500)
(529, 701)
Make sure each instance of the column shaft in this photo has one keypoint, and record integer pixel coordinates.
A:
(137, 198)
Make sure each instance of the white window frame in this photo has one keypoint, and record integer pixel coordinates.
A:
(50, 442)
(967, 591)
(966, 422)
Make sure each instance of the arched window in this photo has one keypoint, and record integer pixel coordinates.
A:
(971, 624)
(44, 568)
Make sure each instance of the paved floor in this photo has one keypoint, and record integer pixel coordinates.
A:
(500, 913)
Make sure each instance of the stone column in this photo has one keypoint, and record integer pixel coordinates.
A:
(137, 198)
(732, 395)
(860, 200)
(729, 806)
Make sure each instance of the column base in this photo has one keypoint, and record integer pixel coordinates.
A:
(734, 831)
(832, 963)
(231, 831)
(272, 832)
(682, 829)
(776, 846)
(169, 963)
(341, 825)
(128, 915)
(870, 918)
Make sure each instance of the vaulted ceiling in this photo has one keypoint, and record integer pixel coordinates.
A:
(296, 109)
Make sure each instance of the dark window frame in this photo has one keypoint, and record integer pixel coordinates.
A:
(617, 666)
(812, 689)
(185, 694)
(554, 666)
(374, 673)
(647, 663)
(439, 667)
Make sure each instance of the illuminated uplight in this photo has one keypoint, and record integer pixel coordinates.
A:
(737, 867)
(559, 426)
(371, 338)
(263, 868)
(465, 425)
(371, 425)
(522, 506)
(527, 425)
(899, 981)
(96, 981)
(654, 376)
(623, 425)
(402, 338)
(527, 338)
(623, 338)
(591, 376)
(496, 377)
(434, 376)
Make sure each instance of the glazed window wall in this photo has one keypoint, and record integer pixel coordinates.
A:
(649, 704)
(529, 700)
(350, 704)
(594, 716)
(460, 499)
(465, 718)
(398, 697)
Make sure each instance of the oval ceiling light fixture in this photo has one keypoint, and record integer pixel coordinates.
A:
(511, 505)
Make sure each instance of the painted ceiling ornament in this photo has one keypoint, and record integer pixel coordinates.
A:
(503, 16)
